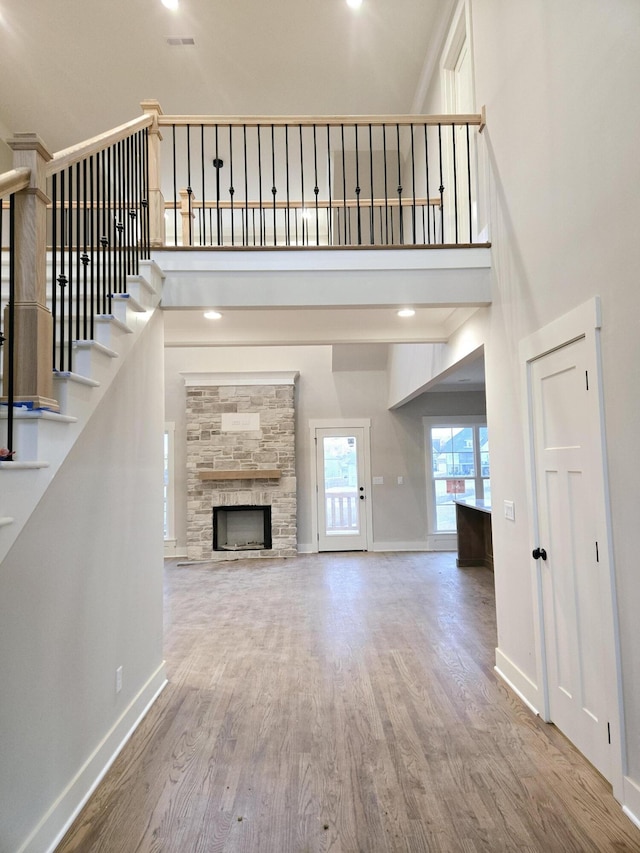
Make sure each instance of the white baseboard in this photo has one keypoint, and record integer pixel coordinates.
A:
(400, 546)
(55, 823)
(631, 805)
(520, 683)
(306, 548)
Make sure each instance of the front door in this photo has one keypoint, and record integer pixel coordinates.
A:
(568, 553)
(342, 489)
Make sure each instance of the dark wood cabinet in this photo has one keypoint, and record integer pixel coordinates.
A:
(475, 544)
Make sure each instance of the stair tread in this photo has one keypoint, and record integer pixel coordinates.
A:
(24, 414)
(131, 302)
(22, 466)
(95, 345)
(60, 375)
(112, 320)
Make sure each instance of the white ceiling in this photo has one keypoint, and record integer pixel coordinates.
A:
(74, 68)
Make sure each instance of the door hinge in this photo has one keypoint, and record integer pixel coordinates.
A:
(586, 377)
(597, 554)
(609, 732)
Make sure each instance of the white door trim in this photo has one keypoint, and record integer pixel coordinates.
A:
(582, 322)
(340, 423)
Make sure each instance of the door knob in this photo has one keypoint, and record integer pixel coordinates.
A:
(539, 554)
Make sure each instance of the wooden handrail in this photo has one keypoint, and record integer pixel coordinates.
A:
(14, 181)
(76, 153)
(474, 119)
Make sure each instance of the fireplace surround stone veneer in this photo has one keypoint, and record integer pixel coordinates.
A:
(217, 444)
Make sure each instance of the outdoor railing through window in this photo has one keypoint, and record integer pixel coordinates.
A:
(98, 230)
(351, 181)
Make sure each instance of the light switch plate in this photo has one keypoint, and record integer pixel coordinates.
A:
(510, 510)
(378, 481)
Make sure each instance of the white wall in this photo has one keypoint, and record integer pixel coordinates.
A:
(414, 367)
(558, 82)
(397, 439)
(80, 595)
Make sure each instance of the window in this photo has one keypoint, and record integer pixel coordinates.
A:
(459, 469)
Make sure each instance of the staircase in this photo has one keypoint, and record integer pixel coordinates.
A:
(42, 439)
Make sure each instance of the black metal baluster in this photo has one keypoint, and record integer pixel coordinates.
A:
(344, 185)
(469, 185)
(413, 184)
(85, 279)
(441, 186)
(330, 212)
(426, 157)
(62, 279)
(203, 209)
(274, 189)
(134, 207)
(400, 216)
(70, 283)
(260, 186)
(106, 241)
(246, 185)
(286, 157)
(316, 189)
(92, 243)
(54, 262)
(358, 188)
(76, 252)
(386, 193)
(231, 187)
(371, 220)
(175, 190)
(145, 195)
(12, 324)
(217, 165)
(455, 180)
(302, 184)
(189, 187)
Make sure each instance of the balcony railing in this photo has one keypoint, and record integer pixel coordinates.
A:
(76, 224)
(350, 181)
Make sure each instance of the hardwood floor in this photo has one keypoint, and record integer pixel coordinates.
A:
(342, 703)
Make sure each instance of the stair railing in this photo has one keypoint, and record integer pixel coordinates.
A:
(10, 184)
(98, 229)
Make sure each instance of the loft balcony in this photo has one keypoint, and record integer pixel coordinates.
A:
(261, 212)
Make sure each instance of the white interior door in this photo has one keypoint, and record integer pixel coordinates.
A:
(342, 487)
(568, 499)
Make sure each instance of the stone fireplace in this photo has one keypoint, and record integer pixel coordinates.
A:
(241, 465)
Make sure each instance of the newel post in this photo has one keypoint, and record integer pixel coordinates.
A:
(33, 323)
(156, 199)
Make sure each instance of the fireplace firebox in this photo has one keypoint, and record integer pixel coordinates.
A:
(241, 528)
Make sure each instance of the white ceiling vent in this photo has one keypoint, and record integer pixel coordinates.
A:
(177, 41)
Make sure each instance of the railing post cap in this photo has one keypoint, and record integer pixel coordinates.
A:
(151, 106)
(29, 142)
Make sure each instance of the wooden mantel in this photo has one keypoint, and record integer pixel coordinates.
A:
(253, 474)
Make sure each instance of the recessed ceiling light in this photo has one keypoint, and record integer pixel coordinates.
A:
(212, 315)
(406, 312)
(170, 4)
(355, 4)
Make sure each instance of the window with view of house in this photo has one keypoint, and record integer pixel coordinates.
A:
(459, 469)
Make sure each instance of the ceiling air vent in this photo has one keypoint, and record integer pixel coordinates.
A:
(174, 41)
